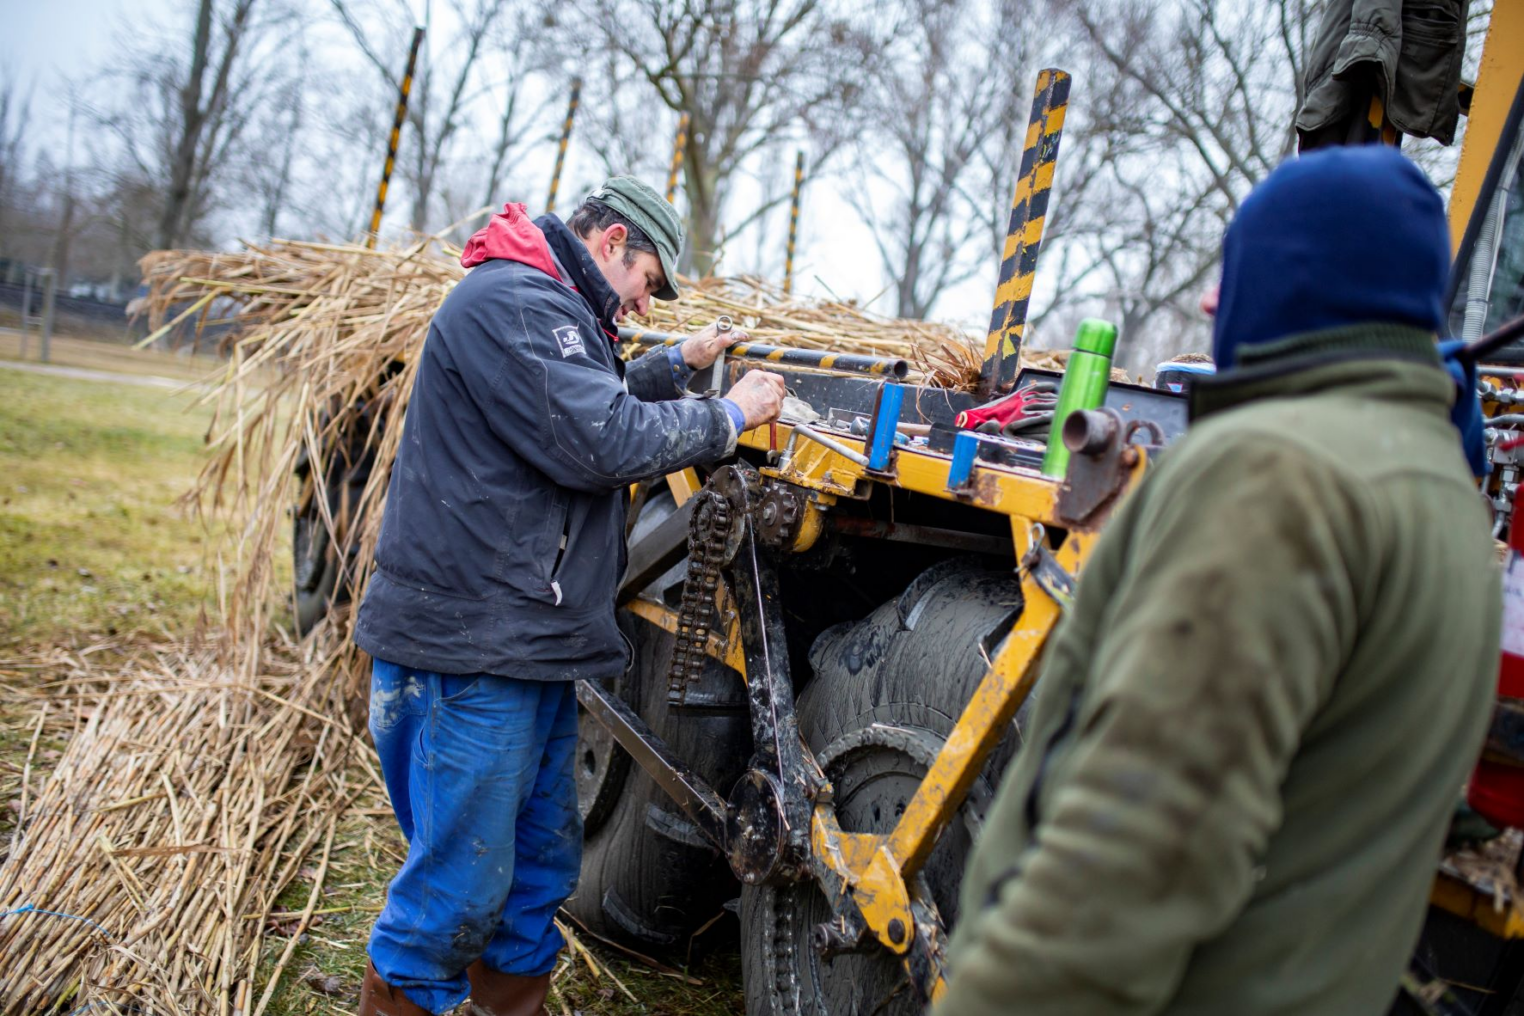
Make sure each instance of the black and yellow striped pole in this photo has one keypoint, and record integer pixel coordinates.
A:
(566, 128)
(1023, 238)
(678, 144)
(793, 224)
(403, 92)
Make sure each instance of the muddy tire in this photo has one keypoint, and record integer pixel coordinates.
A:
(886, 693)
(315, 569)
(649, 878)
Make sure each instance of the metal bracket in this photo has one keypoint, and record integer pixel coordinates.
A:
(1049, 575)
(1104, 459)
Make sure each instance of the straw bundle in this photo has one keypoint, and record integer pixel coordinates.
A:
(144, 872)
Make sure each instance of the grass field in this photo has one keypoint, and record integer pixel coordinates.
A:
(94, 549)
(117, 357)
(91, 541)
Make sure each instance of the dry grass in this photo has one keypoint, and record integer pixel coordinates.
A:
(185, 801)
(114, 357)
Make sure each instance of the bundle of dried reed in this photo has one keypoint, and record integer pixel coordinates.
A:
(186, 800)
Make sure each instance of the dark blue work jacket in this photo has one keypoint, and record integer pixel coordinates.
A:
(502, 542)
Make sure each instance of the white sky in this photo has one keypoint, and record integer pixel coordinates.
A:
(43, 42)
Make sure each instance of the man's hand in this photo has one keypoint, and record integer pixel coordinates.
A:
(760, 396)
(700, 349)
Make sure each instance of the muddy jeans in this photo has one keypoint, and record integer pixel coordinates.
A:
(479, 769)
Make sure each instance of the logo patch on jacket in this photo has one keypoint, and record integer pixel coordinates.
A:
(570, 341)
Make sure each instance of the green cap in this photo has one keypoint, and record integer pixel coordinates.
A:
(1096, 336)
(654, 216)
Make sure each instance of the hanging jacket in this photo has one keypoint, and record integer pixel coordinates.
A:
(502, 542)
(1408, 52)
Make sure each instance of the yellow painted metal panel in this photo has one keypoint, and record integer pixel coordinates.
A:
(1497, 83)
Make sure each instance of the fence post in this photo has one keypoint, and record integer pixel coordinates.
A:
(49, 285)
(26, 308)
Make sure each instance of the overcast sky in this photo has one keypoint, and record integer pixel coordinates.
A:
(44, 42)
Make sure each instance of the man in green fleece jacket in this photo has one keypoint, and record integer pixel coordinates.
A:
(1252, 729)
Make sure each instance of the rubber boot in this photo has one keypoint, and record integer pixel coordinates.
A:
(494, 993)
(377, 998)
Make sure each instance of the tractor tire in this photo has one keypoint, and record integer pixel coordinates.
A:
(886, 693)
(649, 878)
(315, 569)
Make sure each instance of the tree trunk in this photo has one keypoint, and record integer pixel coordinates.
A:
(61, 239)
(703, 212)
(183, 164)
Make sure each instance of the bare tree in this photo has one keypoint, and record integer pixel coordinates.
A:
(751, 75)
(15, 113)
(948, 86)
(272, 181)
(203, 108)
(487, 57)
(181, 122)
(1188, 105)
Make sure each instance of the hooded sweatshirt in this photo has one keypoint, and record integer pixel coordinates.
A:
(502, 542)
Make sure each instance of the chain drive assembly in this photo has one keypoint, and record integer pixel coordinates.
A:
(708, 540)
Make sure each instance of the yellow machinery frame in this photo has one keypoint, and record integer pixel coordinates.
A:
(878, 870)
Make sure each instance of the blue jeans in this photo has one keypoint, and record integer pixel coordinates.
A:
(479, 769)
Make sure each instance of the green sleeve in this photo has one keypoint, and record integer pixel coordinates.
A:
(1233, 613)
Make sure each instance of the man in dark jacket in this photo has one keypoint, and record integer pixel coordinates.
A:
(500, 551)
(1250, 730)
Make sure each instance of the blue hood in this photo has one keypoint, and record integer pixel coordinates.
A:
(1343, 236)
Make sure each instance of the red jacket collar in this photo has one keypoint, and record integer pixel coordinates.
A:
(510, 236)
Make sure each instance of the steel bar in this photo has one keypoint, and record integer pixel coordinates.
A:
(687, 789)
(566, 129)
(656, 551)
(1508, 332)
(403, 91)
(851, 363)
(678, 144)
(1023, 238)
(850, 454)
(793, 223)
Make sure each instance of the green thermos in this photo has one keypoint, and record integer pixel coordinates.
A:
(1084, 386)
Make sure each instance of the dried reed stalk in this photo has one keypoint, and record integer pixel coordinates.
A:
(148, 864)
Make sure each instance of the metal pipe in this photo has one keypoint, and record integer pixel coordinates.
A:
(1483, 262)
(398, 120)
(27, 276)
(793, 223)
(566, 129)
(831, 443)
(678, 145)
(851, 363)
